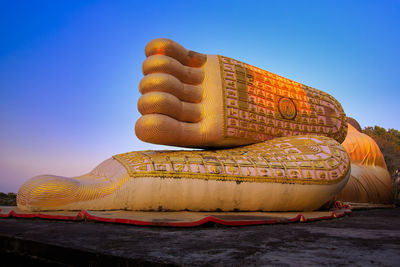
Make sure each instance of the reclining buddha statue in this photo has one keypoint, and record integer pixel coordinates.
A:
(268, 144)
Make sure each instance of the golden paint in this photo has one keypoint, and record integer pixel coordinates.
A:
(49, 191)
(224, 164)
(296, 109)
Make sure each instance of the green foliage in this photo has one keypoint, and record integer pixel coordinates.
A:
(9, 199)
(389, 143)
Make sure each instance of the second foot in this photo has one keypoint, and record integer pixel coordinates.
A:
(285, 174)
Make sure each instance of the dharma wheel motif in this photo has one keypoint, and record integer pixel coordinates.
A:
(287, 108)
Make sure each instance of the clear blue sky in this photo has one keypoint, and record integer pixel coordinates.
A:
(69, 70)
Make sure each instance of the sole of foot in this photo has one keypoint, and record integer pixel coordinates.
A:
(203, 101)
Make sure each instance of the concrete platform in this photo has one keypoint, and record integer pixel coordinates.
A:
(363, 238)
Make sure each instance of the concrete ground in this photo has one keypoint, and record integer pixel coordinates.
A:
(363, 238)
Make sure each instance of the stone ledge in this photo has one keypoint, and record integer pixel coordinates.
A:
(363, 238)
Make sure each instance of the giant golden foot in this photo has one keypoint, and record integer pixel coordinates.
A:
(203, 101)
(287, 173)
(196, 100)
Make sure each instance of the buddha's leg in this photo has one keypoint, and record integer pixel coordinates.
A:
(370, 180)
(197, 100)
(288, 173)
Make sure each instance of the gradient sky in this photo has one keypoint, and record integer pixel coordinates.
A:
(69, 70)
